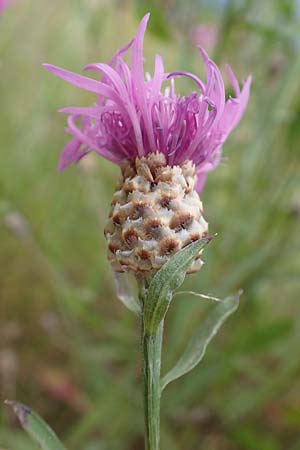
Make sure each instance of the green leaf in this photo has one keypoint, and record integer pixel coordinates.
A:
(36, 427)
(197, 346)
(165, 281)
(125, 292)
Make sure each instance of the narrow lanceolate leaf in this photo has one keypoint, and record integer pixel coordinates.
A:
(35, 426)
(125, 293)
(165, 281)
(197, 346)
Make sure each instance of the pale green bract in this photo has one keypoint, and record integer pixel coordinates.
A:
(36, 427)
(165, 281)
(125, 293)
(196, 348)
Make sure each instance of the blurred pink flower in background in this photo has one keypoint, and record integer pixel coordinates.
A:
(4, 4)
(205, 36)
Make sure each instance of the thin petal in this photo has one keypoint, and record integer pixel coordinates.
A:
(110, 75)
(137, 52)
(234, 109)
(82, 82)
(70, 154)
(90, 111)
(197, 80)
(233, 80)
(138, 79)
(200, 181)
(127, 104)
(158, 77)
(120, 53)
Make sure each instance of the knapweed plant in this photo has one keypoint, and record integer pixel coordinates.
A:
(165, 144)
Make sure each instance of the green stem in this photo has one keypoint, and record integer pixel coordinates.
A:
(151, 354)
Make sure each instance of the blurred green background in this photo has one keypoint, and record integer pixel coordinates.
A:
(68, 348)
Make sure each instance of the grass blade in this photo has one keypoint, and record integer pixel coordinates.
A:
(197, 346)
(36, 427)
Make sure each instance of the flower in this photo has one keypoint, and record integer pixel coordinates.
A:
(4, 5)
(134, 117)
(205, 36)
(164, 143)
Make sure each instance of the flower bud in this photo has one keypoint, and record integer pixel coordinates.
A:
(155, 212)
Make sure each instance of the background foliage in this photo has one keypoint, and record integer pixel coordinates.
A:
(68, 348)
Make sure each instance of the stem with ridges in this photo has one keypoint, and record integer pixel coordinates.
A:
(151, 355)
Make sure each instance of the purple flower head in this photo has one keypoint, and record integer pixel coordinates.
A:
(133, 116)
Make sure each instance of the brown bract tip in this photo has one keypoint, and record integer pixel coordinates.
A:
(209, 238)
(22, 411)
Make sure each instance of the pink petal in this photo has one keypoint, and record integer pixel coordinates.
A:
(70, 154)
(197, 80)
(119, 86)
(233, 80)
(90, 111)
(139, 82)
(83, 82)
